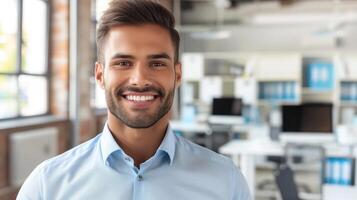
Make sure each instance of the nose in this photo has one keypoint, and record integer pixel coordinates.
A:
(140, 76)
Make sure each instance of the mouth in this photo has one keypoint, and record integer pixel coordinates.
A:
(140, 101)
(140, 98)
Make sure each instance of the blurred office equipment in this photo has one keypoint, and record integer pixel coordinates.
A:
(277, 83)
(284, 177)
(307, 123)
(210, 87)
(278, 91)
(28, 149)
(320, 73)
(193, 66)
(222, 67)
(347, 135)
(226, 110)
(293, 57)
(339, 170)
(244, 154)
(299, 155)
(348, 91)
(246, 89)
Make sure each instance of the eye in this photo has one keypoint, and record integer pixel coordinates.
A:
(123, 63)
(158, 64)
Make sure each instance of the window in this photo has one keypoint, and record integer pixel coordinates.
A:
(23, 58)
(98, 95)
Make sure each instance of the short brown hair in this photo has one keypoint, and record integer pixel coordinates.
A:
(135, 12)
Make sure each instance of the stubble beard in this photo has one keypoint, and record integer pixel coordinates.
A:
(142, 120)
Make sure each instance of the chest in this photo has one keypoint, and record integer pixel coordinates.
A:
(155, 185)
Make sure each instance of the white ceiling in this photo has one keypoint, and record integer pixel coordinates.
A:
(262, 12)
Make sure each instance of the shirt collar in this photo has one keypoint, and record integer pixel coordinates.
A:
(109, 145)
(168, 144)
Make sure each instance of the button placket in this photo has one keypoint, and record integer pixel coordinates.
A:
(139, 177)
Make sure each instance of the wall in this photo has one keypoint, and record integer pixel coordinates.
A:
(59, 65)
(6, 190)
(59, 57)
(86, 60)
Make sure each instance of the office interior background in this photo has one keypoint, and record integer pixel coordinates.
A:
(270, 83)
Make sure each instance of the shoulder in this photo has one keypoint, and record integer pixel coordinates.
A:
(212, 165)
(54, 169)
(73, 157)
(196, 152)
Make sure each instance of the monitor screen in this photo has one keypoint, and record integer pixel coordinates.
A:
(227, 106)
(310, 118)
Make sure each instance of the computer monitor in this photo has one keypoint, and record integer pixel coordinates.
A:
(226, 110)
(307, 123)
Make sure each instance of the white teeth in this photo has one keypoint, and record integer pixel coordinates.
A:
(139, 98)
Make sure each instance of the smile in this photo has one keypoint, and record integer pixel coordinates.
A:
(140, 98)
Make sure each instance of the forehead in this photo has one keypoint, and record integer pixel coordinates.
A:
(138, 40)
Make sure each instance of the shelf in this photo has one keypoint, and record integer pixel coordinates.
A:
(316, 92)
(223, 77)
(279, 92)
(270, 102)
(279, 80)
(310, 95)
(345, 103)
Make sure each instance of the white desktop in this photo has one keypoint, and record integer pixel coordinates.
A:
(309, 123)
(226, 111)
(307, 138)
(225, 120)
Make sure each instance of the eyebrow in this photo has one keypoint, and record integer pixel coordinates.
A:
(153, 56)
(119, 55)
(159, 56)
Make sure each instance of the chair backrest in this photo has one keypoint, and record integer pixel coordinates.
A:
(284, 178)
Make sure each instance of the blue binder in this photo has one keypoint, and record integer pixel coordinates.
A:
(320, 76)
(339, 171)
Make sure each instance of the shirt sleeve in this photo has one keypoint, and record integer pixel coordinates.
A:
(32, 187)
(240, 186)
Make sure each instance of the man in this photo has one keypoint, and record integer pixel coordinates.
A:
(137, 156)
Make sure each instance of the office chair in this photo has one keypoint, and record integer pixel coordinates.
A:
(284, 178)
(279, 163)
(220, 134)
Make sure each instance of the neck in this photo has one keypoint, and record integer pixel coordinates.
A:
(140, 144)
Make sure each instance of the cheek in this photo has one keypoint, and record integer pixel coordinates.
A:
(113, 79)
(169, 86)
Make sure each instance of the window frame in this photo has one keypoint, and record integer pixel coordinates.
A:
(93, 85)
(18, 68)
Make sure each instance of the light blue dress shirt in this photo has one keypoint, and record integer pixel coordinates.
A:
(100, 170)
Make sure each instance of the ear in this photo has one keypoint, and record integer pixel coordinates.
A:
(99, 74)
(178, 73)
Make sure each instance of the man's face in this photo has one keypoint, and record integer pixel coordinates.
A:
(138, 74)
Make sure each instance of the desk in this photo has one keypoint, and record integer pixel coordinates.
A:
(209, 129)
(190, 127)
(204, 127)
(243, 152)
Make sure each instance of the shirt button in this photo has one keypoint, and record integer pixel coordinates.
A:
(127, 159)
(140, 178)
